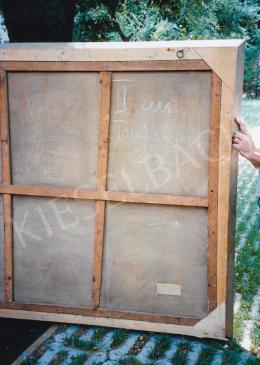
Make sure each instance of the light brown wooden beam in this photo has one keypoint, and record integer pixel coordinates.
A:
(175, 65)
(188, 201)
(70, 193)
(213, 172)
(106, 313)
(6, 178)
(6, 168)
(106, 81)
(8, 247)
(98, 253)
(51, 192)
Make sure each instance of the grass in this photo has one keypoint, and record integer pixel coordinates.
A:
(80, 331)
(119, 337)
(247, 277)
(78, 360)
(59, 358)
(181, 355)
(252, 362)
(255, 335)
(251, 111)
(99, 333)
(206, 356)
(133, 361)
(79, 344)
(230, 357)
(247, 255)
(161, 346)
(239, 324)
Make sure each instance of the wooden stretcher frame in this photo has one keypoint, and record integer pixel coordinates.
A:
(224, 58)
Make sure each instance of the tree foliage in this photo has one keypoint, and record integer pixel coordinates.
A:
(132, 20)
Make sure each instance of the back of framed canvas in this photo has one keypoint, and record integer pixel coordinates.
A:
(116, 171)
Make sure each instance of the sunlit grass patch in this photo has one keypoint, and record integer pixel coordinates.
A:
(255, 335)
(251, 111)
(247, 275)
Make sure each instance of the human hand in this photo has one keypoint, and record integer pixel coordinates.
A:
(242, 125)
(243, 143)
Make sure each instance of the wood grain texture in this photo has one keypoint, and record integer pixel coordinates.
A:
(81, 193)
(52, 192)
(230, 291)
(206, 329)
(224, 62)
(2, 261)
(230, 108)
(6, 179)
(137, 316)
(113, 51)
(8, 247)
(5, 148)
(98, 253)
(162, 199)
(105, 79)
(213, 190)
(176, 65)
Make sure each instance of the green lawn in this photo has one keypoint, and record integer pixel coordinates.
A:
(247, 277)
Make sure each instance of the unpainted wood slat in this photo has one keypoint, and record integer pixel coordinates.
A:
(213, 169)
(82, 193)
(137, 316)
(188, 201)
(6, 178)
(106, 80)
(175, 65)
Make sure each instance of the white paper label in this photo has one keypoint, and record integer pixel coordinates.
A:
(168, 289)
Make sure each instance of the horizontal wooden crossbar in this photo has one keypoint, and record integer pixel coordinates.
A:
(175, 65)
(105, 313)
(70, 193)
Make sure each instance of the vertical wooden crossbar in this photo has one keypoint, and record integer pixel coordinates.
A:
(213, 168)
(105, 79)
(6, 177)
